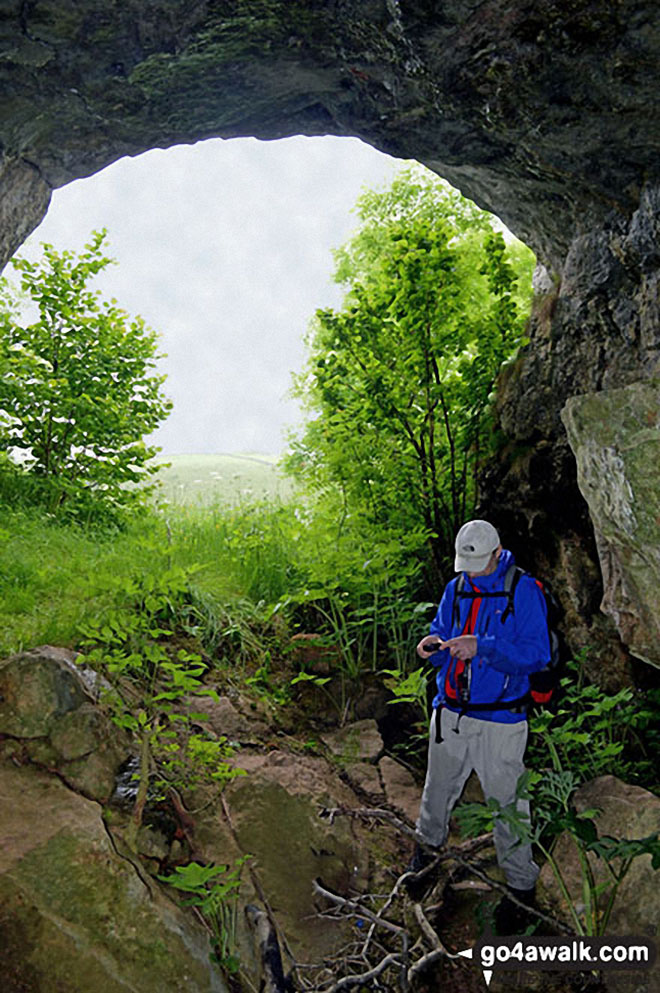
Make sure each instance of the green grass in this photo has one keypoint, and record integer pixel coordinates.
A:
(207, 479)
(56, 576)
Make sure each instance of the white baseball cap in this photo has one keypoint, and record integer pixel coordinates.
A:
(475, 543)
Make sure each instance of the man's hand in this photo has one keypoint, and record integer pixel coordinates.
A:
(464, 647)
(428, 646)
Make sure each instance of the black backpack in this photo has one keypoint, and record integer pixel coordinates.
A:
(543, 683)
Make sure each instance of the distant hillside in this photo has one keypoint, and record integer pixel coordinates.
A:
(204, 479)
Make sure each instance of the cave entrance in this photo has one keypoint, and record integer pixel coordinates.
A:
(225, 248)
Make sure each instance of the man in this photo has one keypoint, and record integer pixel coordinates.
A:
(484, 654)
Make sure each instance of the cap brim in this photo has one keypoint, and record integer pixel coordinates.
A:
(473, 564)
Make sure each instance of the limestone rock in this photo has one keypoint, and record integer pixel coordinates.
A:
(275, 814)
(365, 778)
(401, 790)
(224, 718)
(528, 111)
(75, 916)
(360, 741)
(615, 435)
(49, 716)
(24, 200)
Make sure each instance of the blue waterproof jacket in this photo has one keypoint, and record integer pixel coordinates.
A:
(507, 651)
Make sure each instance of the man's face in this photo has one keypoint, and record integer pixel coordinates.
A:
(491, 567)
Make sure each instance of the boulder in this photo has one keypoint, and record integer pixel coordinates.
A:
(615, 436)
(365, 778)
(74, 915)
(227, 718)
(401, 790)
(276, 814)
(360, 741)
(49, 716)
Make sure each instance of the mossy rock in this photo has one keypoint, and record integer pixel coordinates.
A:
(615, 436)
(76, 916)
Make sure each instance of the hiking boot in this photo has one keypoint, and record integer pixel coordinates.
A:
(419, 883)
(510, 918)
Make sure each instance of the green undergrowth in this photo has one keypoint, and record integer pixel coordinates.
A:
(254, 575)
(55, 575)
(253, 568)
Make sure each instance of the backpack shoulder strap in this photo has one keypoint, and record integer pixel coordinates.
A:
(511, 580)
(458, 589)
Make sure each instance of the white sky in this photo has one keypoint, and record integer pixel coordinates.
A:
(225, 248)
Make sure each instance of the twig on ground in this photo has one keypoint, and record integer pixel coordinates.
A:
(364, 977)
(429, 932)
(426, 960)
(356, 908)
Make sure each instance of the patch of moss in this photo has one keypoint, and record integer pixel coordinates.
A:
(96, 900)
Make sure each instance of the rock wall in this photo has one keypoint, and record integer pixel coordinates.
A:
(615, 436)
(540, 111)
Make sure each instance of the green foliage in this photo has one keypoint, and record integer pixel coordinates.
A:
(586, 737)
(360, 593)
(408, 687)
(554, 815)
(214, 890)
(596, 733)
(152, 684)
(55, 575)
(195, 759)
(398, 381)
(77, 391)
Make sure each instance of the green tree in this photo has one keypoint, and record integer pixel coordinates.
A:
(398, 380)
(77, 388)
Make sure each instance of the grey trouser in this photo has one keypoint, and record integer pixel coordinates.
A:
(495, 751)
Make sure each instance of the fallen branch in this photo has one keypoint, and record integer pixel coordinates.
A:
(376, 813)
(502, 888)
(456, 853)
(430, 933)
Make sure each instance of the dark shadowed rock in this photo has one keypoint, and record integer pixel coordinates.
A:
(538, 111)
